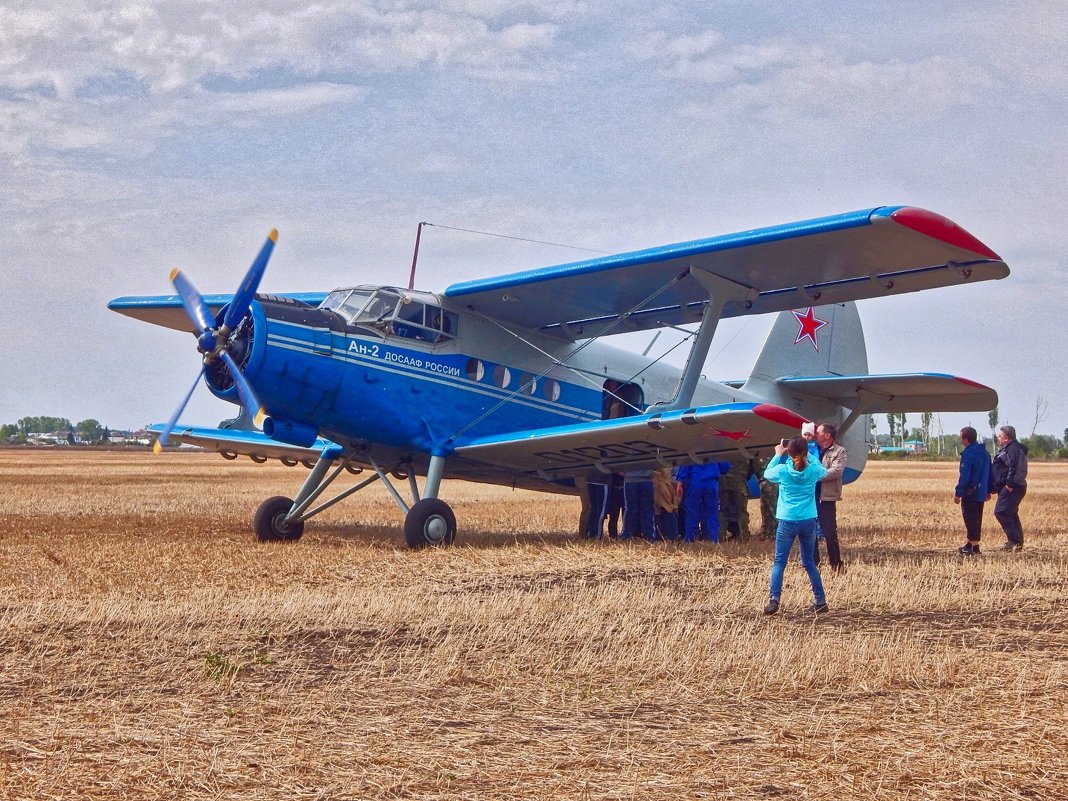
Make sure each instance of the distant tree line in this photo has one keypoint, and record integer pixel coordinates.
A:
(90, 430)
(1040, 446)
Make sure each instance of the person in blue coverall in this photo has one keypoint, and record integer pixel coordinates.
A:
(700, 498)
(796, 473)
(973, 488)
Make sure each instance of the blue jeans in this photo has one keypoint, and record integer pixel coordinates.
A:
(805, 532)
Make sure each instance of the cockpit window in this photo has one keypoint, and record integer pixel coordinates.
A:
(354, 304)
(424, 321)
(334, 300)
(388, 312)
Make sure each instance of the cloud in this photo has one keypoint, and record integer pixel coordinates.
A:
(176, 45)
(118, 77)
(289, 100)
(781, 80)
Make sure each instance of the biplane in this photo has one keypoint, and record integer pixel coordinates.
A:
(508, 380)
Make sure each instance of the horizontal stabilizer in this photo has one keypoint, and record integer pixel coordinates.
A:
(660, 439)
(905, 392)
(237, 442)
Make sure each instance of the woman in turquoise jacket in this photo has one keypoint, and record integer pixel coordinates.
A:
(796, 473)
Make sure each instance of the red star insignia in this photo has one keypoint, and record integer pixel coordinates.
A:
(737, 436)
(810, 324)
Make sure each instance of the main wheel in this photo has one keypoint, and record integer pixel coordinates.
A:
(270, 524)
(430, 522)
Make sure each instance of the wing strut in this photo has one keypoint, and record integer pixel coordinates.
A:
(721, 291)
(865, 400)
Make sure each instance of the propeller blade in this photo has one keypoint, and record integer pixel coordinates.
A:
(244, 389)
(195, 307)
(238, 307)
(165, 435)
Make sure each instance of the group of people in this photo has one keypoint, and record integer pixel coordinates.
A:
(661, 504)
(982, 478)
(800, 486)
(802, 482)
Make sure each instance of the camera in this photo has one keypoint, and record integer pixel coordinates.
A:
(785, 443)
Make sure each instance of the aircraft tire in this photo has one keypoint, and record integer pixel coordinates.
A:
(268, 521)
(430, 522)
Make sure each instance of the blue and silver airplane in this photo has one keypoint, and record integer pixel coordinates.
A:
(506, 380)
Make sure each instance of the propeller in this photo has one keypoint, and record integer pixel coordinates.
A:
(214, 342)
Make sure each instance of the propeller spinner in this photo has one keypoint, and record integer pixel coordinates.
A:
(216, 341)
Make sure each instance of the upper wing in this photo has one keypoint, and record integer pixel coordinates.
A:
(634, 443)
(166, 310)
(882, 251)
(907, 392)
(233, 442)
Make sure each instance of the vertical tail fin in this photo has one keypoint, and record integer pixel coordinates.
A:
(813, 342)
(817, 341)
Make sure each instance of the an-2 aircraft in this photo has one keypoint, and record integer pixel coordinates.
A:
(505, 380)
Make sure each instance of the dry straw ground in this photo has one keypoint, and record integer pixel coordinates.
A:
(149, 648)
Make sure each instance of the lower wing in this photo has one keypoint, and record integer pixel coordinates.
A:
(232, 443)
(660, 439)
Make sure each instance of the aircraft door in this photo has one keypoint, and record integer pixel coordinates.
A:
(621, 400)
(322, 341)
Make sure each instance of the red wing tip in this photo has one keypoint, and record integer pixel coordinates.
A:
(778, 414)
(970, 383)
(938, 227)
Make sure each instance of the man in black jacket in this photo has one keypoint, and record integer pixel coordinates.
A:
(1008, 478)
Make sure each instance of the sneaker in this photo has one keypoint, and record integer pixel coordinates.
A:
(968, 549)
(1012, 546)
(818, 609)
(772, 607)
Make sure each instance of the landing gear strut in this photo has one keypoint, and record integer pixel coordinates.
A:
(427, 522)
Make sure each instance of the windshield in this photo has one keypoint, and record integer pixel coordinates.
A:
(346, 302)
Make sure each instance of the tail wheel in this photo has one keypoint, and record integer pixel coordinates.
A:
(270, 523)
(430, 522)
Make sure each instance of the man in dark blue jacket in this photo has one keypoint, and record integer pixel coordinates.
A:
(973, 487)
(1008, 478)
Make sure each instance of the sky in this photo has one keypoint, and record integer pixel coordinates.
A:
(136, 137)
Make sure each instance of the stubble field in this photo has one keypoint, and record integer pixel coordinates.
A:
(150, 648)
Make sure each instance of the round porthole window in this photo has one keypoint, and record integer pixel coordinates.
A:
(502, 376)
(476, 370)
(550, 389)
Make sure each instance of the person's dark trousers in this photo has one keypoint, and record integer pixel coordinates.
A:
(639, 517)
(667, 523)
(827, 514)
(1007, 511)
(972, 512)
(598, 494)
